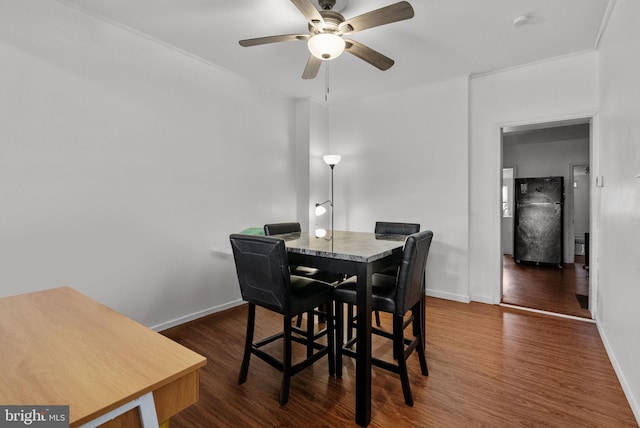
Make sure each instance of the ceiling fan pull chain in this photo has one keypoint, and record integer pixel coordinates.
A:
(326, 81)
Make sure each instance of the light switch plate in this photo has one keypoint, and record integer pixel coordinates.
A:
(599, 181)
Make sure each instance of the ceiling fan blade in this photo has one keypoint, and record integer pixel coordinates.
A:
(312, 67)
(273, 39)
(369, 55)
(385, 15)
(310, 12)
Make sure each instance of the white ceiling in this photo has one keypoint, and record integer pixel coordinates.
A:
(446, 39)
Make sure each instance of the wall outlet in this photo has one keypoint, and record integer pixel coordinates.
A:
(599, 181)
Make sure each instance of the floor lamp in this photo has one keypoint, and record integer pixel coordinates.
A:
(332, 161)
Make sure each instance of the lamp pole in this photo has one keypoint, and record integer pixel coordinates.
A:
(332, 161)
(332, 165)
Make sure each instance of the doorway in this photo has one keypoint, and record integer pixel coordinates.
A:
(544, 150)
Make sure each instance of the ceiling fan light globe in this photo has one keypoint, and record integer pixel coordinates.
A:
(326, 46)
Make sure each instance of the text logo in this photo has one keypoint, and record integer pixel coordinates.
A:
(34, 416)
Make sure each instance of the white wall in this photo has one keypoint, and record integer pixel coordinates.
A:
(581, 201)
(619, 204)
(122, 162)
(565, 88)
(405, 159)
(319, 172)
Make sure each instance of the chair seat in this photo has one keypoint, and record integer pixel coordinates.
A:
(383, 295)
(391, 271)
(317, 274)
(291, 228)
(307, 293)
(304, 271)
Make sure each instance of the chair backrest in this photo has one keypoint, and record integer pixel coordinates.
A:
(396, 228)
(263, 271)
(409, 288)
(278, 228)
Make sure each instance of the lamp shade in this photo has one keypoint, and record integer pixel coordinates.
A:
(331, 159)
(320, 210)
(326, 46)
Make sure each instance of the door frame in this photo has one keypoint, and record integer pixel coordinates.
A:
(594, 164)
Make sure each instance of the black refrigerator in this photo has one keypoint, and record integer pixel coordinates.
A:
(538, 220)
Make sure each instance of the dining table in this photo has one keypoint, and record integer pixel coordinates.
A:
(351, 253)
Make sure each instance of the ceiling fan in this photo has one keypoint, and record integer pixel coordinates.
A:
(327, 28)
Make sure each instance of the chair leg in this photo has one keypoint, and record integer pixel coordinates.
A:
(350, 309)
(310, 330)
(423, 308)
(286, 369)
(418, 322)
(331, 341)
(398, 347)
(339, 339)
(322, 318)
(248, 343)
(350, 318)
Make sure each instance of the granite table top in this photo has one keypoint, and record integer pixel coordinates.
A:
(344, 245)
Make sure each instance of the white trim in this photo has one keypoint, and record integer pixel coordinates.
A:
(594, 214)
(538, 311)
(194, 316)
(529, 64)
(550, 120)
(447, 296)
(626, 388)
(605, 23)
(152, 39)
(483, 299)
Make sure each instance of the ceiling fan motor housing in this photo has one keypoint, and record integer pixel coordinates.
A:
(332, 21)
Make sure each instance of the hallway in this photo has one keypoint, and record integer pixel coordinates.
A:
(547, 288)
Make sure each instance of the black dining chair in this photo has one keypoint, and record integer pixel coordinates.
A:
(392, 228)
(320, 275)
(294, 227)
(263, 272)
(389, 228)
(397, 296)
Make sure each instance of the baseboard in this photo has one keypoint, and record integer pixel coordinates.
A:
(633, 403)
(448, 296)
(540, 311)
(483, 299)
(175, 322)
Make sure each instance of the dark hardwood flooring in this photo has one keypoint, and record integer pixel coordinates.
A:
(489, 366)
(547, 288)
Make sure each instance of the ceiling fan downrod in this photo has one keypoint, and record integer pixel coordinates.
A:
(327, 4)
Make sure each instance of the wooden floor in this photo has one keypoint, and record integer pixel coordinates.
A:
(544, 287)
(489, 366)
